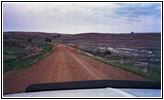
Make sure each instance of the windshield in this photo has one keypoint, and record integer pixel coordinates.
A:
(69, 42)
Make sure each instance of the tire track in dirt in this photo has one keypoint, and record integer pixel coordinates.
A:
(94, 72)
(63, 65)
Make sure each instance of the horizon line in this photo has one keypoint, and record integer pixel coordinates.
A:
(87, 32)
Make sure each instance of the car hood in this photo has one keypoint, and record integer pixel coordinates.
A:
(101, 92)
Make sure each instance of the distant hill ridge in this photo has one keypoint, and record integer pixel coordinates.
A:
(93, 38)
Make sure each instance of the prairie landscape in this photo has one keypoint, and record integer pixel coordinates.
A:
(86, 56)
(52, 42)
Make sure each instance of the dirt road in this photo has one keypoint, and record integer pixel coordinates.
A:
(64, 64)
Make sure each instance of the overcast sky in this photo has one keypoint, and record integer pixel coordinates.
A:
(71, 17)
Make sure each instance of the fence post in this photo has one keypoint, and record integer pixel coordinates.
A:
(148, 64)
(149, 56)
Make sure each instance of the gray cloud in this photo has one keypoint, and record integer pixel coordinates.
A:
(82, 17)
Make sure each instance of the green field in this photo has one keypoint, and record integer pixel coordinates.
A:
(130, 66)
(24, 63)
(13, 52)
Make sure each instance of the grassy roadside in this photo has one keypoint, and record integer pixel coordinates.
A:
(148, 75)
(24, 63)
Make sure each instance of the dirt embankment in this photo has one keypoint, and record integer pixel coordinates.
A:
(63, 65)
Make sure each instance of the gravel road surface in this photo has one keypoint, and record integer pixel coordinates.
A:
(63, 65)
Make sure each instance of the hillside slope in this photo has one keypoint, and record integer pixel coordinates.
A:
(93, 39)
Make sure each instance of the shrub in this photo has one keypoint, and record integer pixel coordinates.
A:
(132, 32)
(98, 52)
(29, 40)
(48, 40)
(107, 52)
(58, 35)
(54, 37)
(5, 37)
